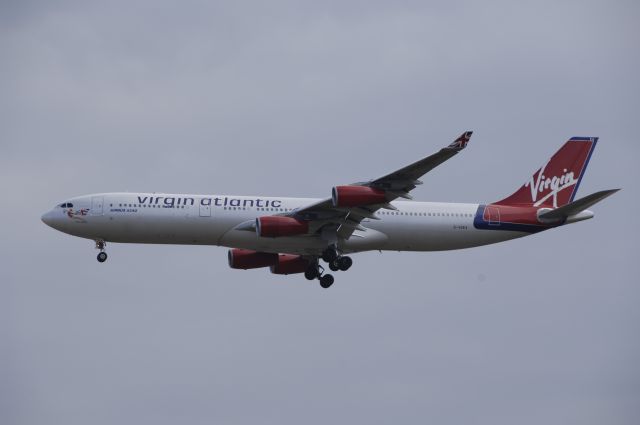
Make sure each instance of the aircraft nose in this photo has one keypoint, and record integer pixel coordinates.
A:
(47, 218)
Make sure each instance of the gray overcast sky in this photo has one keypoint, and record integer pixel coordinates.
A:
(290, 98)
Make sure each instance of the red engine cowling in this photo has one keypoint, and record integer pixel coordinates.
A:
(275, 226)
(353, 196)
(290, 264)
(248, 259)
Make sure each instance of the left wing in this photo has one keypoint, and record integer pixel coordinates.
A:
(342, 214)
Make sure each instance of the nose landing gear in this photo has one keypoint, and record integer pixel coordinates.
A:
(102, 256)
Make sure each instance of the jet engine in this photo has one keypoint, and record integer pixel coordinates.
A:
(249, 259)
(290, 264)
(276, 226)
(353, 196)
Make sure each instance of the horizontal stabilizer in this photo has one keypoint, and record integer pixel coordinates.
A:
(578, 206)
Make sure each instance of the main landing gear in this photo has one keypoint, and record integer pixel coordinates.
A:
(326, 280)
(341, 263)
(336, 262)
(316, 271)
(102, 256)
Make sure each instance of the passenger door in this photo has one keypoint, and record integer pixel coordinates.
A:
(96, 205)
(205, 210)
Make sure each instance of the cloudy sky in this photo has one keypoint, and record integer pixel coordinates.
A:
(290, 98)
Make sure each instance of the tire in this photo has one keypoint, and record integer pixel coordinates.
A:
(326, 281)
(344, 263)
(102, 257)
(329, 255)
(334, 266)
(311, 273)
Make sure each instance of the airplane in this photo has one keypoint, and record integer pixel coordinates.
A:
(293, 235)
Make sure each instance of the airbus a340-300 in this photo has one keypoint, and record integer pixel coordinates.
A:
(296, 235)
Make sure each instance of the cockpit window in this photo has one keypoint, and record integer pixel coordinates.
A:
(66, 205)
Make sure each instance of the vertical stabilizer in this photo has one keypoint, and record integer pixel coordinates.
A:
(555, 184)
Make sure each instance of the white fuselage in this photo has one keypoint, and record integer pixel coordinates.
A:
(212, 220)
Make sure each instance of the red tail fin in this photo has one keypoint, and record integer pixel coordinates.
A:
(556, 183)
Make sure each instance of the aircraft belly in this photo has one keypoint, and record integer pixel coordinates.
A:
(310, 245)
(439, 236)
(153, 229)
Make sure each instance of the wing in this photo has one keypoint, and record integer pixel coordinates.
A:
(342, 214)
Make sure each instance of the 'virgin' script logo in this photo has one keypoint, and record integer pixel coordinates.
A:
(554, 184)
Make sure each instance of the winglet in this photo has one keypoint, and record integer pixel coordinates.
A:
(461, 142)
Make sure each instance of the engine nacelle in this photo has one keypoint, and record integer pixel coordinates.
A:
(353, 196)
(290, 264)
(248, 259)
(276, 226)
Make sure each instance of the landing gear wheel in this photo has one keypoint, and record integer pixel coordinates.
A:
(329, 255)
(102, 257)
(311, 273)
(326, 281)
(344, 263)
(334, 265)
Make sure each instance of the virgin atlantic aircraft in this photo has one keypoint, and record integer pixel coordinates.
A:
(292, 235)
